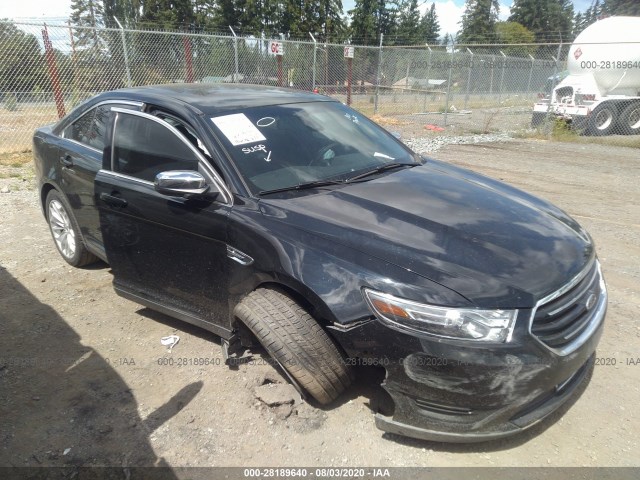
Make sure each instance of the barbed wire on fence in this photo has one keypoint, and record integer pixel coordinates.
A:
(46, 70)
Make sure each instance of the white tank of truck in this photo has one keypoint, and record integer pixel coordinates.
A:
(615, 65)
(601, 94)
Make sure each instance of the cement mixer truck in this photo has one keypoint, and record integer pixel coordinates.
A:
(601, 94)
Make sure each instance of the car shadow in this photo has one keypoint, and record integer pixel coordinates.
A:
(62, 404)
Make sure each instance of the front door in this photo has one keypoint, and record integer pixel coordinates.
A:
(166, 252)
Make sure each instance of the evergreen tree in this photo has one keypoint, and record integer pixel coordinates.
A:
(330, 22)
(551, 20)
(408, 32)
(126, 11)
(364, 25)
(369, 19)
(479, 21)
(227, 14)
(204, 14)
(621, 7)
(168, 14)
(429, 26)
(87, 13)
(21, 63)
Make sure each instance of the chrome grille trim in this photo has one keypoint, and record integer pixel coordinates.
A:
(571, 300)
(596, 315)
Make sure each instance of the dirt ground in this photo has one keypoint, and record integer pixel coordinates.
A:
(84, 379)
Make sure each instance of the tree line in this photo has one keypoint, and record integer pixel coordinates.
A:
(401, 22)
(291, 19)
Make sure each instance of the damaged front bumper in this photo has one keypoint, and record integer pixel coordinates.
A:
(457, 392)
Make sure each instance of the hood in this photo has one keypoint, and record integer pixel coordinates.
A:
(493, 244)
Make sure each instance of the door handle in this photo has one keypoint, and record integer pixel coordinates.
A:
(113, 201)
(66, 160)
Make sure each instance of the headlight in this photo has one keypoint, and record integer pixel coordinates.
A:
(458, 323)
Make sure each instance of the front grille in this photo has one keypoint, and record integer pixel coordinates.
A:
(561, 319)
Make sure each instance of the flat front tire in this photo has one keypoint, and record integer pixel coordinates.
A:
(65, 231)
(296, 342)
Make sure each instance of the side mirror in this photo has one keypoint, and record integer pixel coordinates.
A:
(182, 183)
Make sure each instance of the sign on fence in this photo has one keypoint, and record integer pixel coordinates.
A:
(348, 52)
(276, 47)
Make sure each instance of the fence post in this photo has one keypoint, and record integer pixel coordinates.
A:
(188, 57)
(424, 101)
(124, 50)
(326, 65)
(53, 72)
(349, 78)
(446, 109)
(504, 64)
(466, 97)
(236, 77)
(406, 81)
(74, 61)
(493, 64)
(313, 71)
(556, 59)
(375, 103)
(530, 73)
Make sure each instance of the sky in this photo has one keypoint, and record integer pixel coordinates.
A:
(449, 11)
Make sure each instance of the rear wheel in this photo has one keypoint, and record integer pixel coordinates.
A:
(603, 120)
(630, 119)
(296, 341)
(65, 231)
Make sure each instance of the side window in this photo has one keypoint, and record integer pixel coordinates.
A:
(90, 128)
(142, 148)
(187, 131)
(82, 131)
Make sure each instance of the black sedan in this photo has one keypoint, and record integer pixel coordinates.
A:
(287, 219)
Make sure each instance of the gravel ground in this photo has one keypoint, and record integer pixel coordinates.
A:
(433, 144)
(84, 379)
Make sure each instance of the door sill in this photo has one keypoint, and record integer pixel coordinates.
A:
(173, 312)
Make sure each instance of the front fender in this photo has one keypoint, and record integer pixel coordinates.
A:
(328, 275)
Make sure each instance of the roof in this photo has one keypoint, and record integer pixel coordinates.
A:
(213, 98)
(423, 82)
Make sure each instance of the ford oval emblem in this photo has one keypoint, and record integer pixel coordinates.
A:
(591, 301)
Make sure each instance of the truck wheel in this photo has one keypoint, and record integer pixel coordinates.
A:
(602, 120)
(630, 119)
(65, 231)
(296, 341)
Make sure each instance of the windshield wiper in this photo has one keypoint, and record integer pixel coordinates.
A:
(323, 183)
(382, 168)
(303, 186)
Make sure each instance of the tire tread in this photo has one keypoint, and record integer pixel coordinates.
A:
(294, 339)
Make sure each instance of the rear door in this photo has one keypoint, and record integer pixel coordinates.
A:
(166, 252)
(80, 158)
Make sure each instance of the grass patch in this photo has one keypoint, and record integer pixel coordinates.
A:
(382, 120)
(562, 133)
(16, 159)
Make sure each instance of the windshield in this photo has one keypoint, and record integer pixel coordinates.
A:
(282, 146)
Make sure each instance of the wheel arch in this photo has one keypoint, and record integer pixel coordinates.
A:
(44, 191)
(298, 292)
(306, 298)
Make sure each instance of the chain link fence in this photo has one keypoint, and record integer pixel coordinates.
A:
(45, 71)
